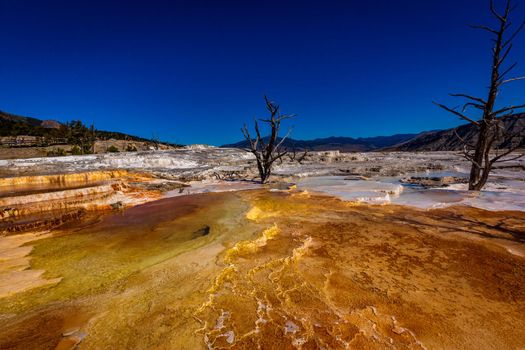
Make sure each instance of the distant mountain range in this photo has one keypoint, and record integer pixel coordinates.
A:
(343, 144)
(437, 140)
(447, 140)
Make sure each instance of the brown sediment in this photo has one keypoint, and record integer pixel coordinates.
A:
(141, 266)
(272, 270)
(339, 276)
(41, 222)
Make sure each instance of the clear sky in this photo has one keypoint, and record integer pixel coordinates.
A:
(193, 71)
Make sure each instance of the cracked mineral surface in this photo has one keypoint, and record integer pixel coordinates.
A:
(180, 249)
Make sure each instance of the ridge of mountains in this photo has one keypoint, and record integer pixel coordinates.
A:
(435, 140)
(341, 143)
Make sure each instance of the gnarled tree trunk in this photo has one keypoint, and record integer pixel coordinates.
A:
(267, 152)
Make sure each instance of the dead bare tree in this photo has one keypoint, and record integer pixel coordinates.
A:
(294, 156)
(266, 153)
(491, 131)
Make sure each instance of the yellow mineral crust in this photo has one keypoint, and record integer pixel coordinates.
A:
(245, 248)
(369, 277)
(298, 272)
(84, 177)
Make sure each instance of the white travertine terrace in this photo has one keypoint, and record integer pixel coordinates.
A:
(372, 177)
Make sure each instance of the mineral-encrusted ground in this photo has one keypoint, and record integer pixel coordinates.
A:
(137, 250)
(266, 269)
(424, 179)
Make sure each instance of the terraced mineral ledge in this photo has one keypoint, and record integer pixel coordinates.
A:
(389, 257)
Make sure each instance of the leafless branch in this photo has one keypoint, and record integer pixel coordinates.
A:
(283, 139)
(498, 159)
(472, 104)
(507, 71)
(512, 79)
(461, 115)
(493, 31)
(473, 98)
(465, 143)
(514, 35)
(495, 13)
(504, 57)
(506, 109)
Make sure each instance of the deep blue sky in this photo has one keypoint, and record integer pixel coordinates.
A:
(193, 71)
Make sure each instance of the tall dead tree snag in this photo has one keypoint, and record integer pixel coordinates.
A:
(494, 143)
(268, 149)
